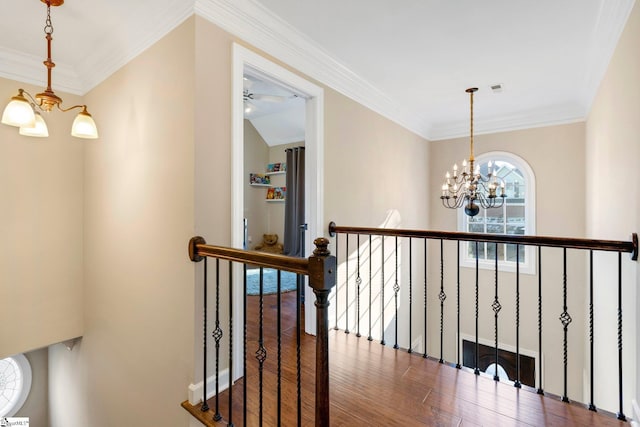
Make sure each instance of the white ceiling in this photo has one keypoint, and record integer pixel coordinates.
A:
(409, 60)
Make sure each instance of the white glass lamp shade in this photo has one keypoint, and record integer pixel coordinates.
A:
(39, 129)
(18, 112)
(84, 126)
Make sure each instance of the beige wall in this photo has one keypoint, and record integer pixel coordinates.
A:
(556, 155)
(138, 344)
(41, 227)
(256, 157)
(612, 154)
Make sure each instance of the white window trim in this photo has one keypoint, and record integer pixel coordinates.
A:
(25, 370)
(529, 266)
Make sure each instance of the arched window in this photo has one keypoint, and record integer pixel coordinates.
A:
(515, 216)
(15, 384)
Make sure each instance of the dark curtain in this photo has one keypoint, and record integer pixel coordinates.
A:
(294, 215)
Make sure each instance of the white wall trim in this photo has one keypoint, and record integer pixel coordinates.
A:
(195, 390)
(636, 413)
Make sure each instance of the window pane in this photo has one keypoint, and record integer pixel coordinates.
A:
(472, 250)
(511, 218)
(476, 228)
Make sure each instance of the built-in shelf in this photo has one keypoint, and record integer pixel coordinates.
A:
(260, 185)
(275, 173)
(274, 200)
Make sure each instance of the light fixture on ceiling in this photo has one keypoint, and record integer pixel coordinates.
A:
(22, 111)
(468, 186)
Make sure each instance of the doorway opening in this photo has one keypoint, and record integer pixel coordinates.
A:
(254, 75)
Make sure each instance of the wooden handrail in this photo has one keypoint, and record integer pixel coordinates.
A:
(198, 249)
(557, 242)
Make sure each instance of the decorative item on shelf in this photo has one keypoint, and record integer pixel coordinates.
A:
(276, 167)
(259, 179)
(280, 193)
(23, 111)
(469, 187)
(276, 194)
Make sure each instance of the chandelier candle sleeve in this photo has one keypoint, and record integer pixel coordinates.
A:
(470, 188)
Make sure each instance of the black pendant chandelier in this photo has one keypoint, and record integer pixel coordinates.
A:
(468, 187)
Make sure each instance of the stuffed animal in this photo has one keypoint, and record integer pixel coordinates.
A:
(269, 244)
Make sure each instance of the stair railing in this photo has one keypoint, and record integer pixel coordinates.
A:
(320, 267)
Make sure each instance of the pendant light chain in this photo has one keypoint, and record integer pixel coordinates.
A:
(48, 27)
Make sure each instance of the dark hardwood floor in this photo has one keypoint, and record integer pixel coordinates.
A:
(375, 385)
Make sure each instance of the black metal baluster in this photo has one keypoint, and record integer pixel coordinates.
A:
(496, 310)
(458, 365)
(426, 311)
(358, 283)
(442, 296)
(476, 370)
(517, 383)
(396, 289)
(565, 318)
(244, 349)
(540, 389)
(382, 307)
(620, 415)
(217, 336)
(346, 288)
(370, 338)
(299, 291)
(205, 407)
(230, 424)
(279, 326)
(409, 350)
(261, 353)
(338, 286)
(592, 406)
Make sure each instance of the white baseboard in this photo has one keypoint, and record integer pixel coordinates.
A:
(195, 390)
(635, 422)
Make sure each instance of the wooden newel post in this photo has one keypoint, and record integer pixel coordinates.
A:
(322, 278)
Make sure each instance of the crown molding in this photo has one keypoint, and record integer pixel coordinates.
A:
(25, 68)
(261, 28)
(611, 22)
(105, 61)
(541, 117)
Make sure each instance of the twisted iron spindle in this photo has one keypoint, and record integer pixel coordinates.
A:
(620, 415)
(565, 318)
(476, 370)
(205, 407)
(370, 338)
(517, 382)
(261, 353)
(424, 354)
(346, 288)
(358, 283)
(540, 389)
(442, 296)
(496, 310)
(592, 406)
(396, 289)
(217, 336)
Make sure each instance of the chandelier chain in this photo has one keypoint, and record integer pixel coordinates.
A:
(48, 27)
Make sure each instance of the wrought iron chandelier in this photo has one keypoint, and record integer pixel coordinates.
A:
(22, 111)
(468, 186)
